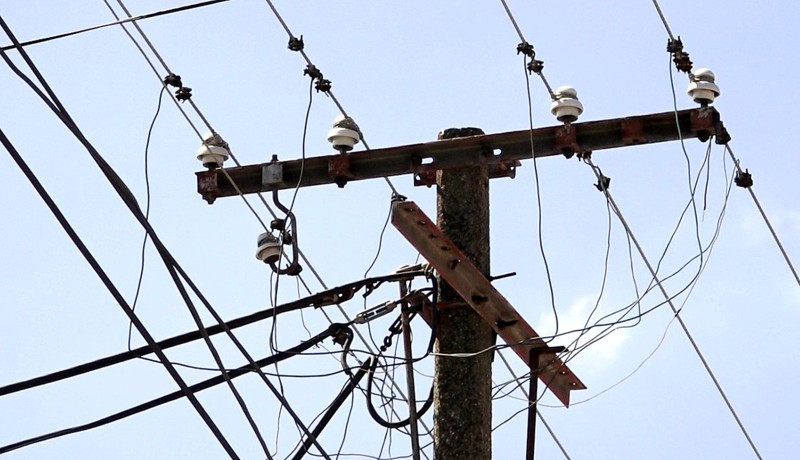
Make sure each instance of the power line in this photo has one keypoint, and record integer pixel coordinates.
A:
(90, 258)
(663, 20)
(185, 390)
(199, 135)
(146, 209)
(174, 269)
(526, 48)
(229, 374)
(296, 44)
(118, 22)
(676, 312)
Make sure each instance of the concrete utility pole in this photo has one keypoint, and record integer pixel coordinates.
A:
(462, 387)
(458, 247)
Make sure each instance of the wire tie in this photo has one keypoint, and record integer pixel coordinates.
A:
(183, 93)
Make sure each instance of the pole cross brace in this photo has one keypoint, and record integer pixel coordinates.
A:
(479, 293)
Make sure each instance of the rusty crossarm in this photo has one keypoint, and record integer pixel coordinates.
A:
(478, 292)
(502, 152)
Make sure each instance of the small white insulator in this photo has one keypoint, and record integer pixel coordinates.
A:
(269, 248)
(566, 106)
(213, 152)
(345, 134)
(702, 87)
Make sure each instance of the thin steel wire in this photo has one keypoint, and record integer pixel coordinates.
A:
(663, 20)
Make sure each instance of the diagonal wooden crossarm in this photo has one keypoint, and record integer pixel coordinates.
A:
(478, 292)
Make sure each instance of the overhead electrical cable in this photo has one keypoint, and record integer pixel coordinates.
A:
(233, 156)
(676, 312)
(326, 88)
(185, 390)
(663, 19)
(205, 384)
(173, 268)
(538, 190)
(177, 9)
(88, 256)
(146, 350)
(146, 210)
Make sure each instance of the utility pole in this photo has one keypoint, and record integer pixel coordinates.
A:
(460, 168)
(462, 387)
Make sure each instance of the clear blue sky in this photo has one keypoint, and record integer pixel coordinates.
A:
(404, 71)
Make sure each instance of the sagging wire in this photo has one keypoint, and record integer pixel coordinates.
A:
(676, 312)
(602, 185)
(669, 324)
(692, 189)
(692, 286)
(539, 198)
(395, 329)
(146, 212)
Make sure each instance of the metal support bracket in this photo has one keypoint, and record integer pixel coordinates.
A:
(502, 153)
(477, 291)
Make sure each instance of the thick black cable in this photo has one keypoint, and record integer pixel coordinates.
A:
(128, 198)
(344, 393)
(146, 350)
(185, 390)
(205, 384)
(177, 9)
(374, 413)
